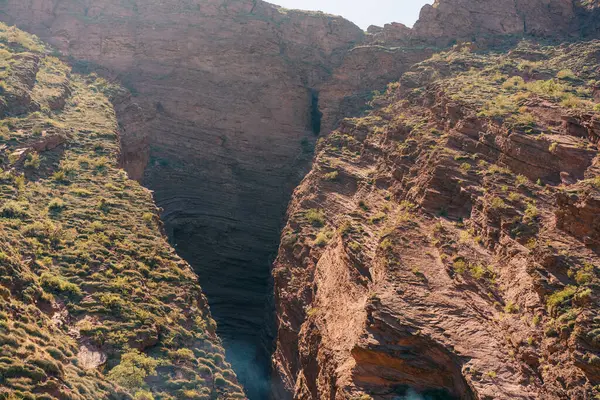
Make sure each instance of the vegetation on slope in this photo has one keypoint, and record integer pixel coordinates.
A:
(94, 303)
(464, 202)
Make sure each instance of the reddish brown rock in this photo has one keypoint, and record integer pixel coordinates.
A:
(226, 99)
(460, 19)
(437, 248)
(579, 214)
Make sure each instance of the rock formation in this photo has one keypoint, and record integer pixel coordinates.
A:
(447, 242)
(226, 101)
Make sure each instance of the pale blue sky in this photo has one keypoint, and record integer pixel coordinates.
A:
(363, 12)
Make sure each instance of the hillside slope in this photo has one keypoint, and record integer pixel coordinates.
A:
(94, 303)
(448, 241)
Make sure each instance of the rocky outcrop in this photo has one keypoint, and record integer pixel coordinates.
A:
(578, 211)
(220, 126)
(446, 245)
(459, 19)
(226, 100)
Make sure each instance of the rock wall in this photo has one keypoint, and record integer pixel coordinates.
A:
(221, 126)
(444, 244)
(227, 98)
(460, 19)
(94, 302)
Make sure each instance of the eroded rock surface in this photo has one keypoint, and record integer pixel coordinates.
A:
(94, 302)
(227, 99)
(448, 241)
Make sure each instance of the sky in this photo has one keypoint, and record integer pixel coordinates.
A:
(363, 12)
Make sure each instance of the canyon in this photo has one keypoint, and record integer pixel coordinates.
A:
(224, 104)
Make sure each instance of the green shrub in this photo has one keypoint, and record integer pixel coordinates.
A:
(112, 301)
(523, 120)
(572, 101)
(315, 217)
(516, 82)
(500, 106)
(133, 369)
(460, 266)
(497, 203)
(549, 88)
(48, 366)
(558, 298)
(377, 218)
(32, 161)
(148, 218)
(584, 295)
(323, 237)
(496, 169)
(58, 284)
(331, 176)
(60, 177)
(56, 205)
(184, 354)
(13, 209)
(363, 205)
(354, 246)
(511, 308)
(143, 395)
(465, 167)
(513, 196)
(566, 74)
(531, 212)
(386, 244)
(521, 180)
(219, 380)
(477, 271)
(585, 275)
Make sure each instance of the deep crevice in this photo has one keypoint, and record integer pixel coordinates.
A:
(229, 233)
(239, 292)
(315, 114)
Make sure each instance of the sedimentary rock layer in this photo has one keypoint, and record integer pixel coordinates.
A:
(448, 240)
(227, 97)
(94, 302)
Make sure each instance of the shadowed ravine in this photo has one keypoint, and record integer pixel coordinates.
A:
(239, 293)
(229, 234)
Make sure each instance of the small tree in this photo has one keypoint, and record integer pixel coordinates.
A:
(133, 369)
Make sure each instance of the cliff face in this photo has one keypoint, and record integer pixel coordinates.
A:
(460, 19)
(227, 99)
(448, 241)
(94, 303)
(220, 128)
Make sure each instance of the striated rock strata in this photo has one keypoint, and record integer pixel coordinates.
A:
(447, 242)
(227, 99)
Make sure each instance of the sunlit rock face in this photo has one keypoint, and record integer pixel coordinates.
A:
(229, 97)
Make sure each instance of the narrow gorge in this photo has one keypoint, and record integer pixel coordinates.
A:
(368, 213)
(228, 98)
